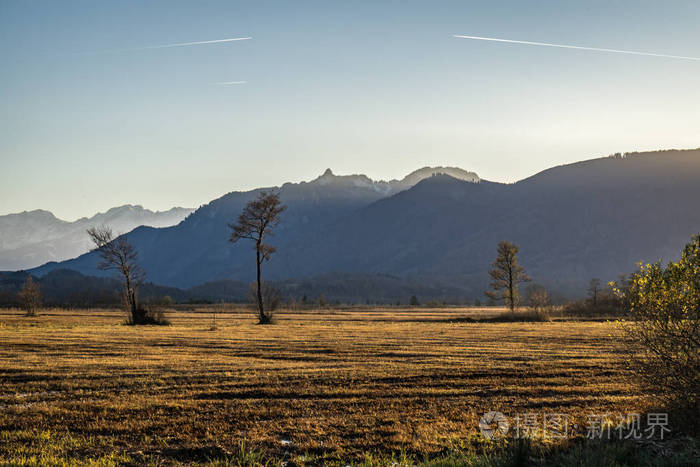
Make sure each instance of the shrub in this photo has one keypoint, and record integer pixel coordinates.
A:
(539, 303)
(664, 306)
(167, 300)
(585, 309)
(528, 316)
(607, 303)
(149, 314)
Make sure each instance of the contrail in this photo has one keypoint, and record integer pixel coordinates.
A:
(186, 44)
(563, 46)
(166, 46)
(230, 82)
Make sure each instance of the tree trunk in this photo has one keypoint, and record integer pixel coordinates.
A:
(511, 298)
(134, 305)
(131, 300)
(262, 319)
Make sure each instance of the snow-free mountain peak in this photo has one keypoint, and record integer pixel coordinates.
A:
(393, 186)
(427, 172)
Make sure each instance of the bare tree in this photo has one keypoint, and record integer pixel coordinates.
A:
(506, 275)
(119, 255)
(258, 219)
(594, 291)
(539, 302)
(537, 297)
(30, 296)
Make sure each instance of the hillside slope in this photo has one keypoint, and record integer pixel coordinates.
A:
(595, 218)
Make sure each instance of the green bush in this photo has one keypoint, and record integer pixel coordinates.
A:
(664, 307)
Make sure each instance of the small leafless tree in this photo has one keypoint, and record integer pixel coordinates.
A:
(119, 255)
(594, 291)
(539, 302)
(30, 296)
(537, 297)
(215, 310)
(256, 222)
(506, 275)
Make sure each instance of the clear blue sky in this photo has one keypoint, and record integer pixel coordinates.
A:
(90, 119)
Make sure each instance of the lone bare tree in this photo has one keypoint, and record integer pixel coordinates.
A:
(30, 296)
(119, 255)
(506, 275)
(258, 219)
(594, 291)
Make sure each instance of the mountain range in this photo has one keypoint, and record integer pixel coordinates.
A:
(32, 238)
(595, 218)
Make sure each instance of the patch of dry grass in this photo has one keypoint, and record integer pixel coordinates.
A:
(325, 384)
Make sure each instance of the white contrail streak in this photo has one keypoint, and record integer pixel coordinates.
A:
(230, 82)
(563, 46)
(186, 44)
(166, 46)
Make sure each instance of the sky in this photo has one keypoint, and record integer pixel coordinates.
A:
(96, 113)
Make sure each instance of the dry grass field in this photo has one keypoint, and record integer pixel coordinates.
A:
(317, 387)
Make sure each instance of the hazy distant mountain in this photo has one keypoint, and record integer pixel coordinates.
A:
(595, 218)
(29, 239)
